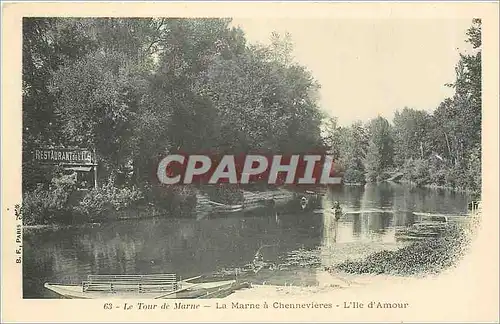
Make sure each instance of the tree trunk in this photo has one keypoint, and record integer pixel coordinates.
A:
(449, 149)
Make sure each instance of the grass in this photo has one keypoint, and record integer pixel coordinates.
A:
(429, 256)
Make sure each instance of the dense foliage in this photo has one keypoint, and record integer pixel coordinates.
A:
(49, 205)
(62, 202)
(98, 202)
(136, 89)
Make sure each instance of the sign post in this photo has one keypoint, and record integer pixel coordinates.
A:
(77, 159)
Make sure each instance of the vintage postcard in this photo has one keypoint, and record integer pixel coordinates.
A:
(250, 162)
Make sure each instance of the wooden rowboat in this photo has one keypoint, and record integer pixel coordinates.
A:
(136, 286)
(189, 291)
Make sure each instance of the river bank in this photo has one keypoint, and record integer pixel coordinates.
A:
(91, 207)
(434, 186)
(411, 184)
(428, 256)
(408, 263)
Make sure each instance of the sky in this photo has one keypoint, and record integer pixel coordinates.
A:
(372, 67)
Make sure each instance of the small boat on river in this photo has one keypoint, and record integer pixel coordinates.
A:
(157, 286)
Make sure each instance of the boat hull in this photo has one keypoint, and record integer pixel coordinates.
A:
(188, 290)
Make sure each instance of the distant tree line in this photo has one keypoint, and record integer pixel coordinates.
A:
(442, 148)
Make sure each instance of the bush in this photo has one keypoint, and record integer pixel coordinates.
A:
(354, 176)
(421, 172)
(384, 175)
(408, 170)
(45, 206)
(371, 175)
(474, 171)
(179, 201)
(456, 177)
(437, 174)
(417, 171)
(183, 201)
(97, 202)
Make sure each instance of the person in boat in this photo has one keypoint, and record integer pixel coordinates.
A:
(337, 210)
(258, 262)
(303, 202)
(258, 257)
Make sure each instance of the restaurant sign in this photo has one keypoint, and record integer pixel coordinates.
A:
(65, 156)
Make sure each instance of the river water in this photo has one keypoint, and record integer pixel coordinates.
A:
(217, 245)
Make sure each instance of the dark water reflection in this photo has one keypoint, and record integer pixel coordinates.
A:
(190, 247)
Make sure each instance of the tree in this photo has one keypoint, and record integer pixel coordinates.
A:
(47, 43)
(353, 146)
(380, 150)
(331, 134)
(373, 162)
(100, 93)
(410, 132)
(135, 89)
(450, 138)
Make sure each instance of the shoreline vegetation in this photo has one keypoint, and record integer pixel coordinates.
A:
(413, 184)
(429, 256)
(108, 204)
(261, 200)
(416, 185)
(416, 260)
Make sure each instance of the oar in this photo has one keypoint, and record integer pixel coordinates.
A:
(190, 279)
(176, 291)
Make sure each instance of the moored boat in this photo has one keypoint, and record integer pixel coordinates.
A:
(137, 286)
